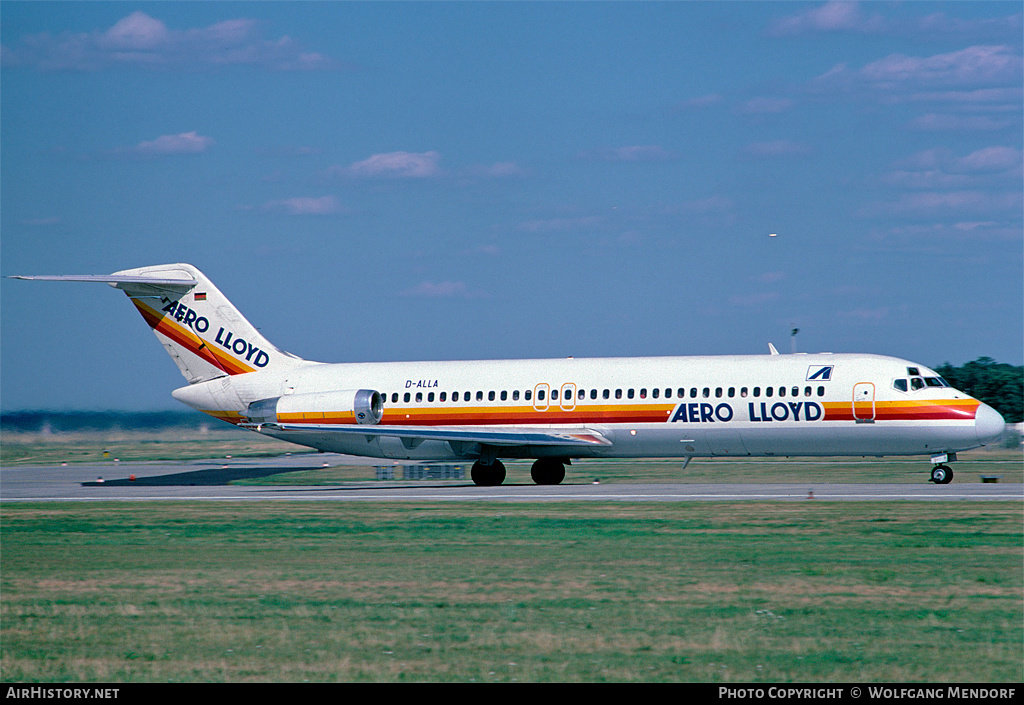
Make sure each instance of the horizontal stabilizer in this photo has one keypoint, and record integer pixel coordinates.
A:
(132, 284)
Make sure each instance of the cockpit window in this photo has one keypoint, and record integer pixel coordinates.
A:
(900, 384)
(935, 382)
(916, 383)
(913, 372)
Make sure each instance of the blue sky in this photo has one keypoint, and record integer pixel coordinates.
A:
(378, 181)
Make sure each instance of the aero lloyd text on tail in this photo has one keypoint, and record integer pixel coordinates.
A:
(550, 410)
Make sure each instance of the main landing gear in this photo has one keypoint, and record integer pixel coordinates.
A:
(487, 473)
(545, 471)
(941, 475)
(548, 471)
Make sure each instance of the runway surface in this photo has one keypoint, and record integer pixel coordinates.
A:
(211, 480)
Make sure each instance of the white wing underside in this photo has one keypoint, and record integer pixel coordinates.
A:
(132, 285)
(490, 435)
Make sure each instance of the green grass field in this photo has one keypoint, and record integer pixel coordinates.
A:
(809, 592)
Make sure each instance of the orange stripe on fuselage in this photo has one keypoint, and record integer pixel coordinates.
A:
(932, 410)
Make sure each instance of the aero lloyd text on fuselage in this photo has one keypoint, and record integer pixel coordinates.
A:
(225, 338)
(702, 412)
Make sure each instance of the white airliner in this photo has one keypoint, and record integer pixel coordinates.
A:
(551, 410)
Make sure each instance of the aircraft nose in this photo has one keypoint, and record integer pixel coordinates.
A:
(988, 424)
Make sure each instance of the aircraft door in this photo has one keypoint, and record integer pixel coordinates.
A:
(864, 402)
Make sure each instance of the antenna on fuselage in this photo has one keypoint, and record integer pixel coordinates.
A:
(772, 350)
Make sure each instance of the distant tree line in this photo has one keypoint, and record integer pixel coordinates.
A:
(999, 385)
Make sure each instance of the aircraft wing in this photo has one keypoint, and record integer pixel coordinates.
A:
(484, 435)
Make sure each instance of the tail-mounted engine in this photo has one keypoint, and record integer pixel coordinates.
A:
(361, 406)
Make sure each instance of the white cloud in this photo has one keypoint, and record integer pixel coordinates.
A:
(304, 205)
(830, 17)
(141, 40)
(948, 122)
(987, 160)
(137, 31)
(972, 67)
(970, 201)
(844, 16)
(398, 165)
(993, 159)
(182, 143)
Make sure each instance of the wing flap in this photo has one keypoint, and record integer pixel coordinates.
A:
(486, 435)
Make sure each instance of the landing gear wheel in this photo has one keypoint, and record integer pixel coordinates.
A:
(942, 475)
(548, 471)
(487, 475)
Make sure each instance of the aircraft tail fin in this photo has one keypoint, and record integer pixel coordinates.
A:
(202, 331)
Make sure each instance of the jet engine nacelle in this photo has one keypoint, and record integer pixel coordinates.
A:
(363, 406)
